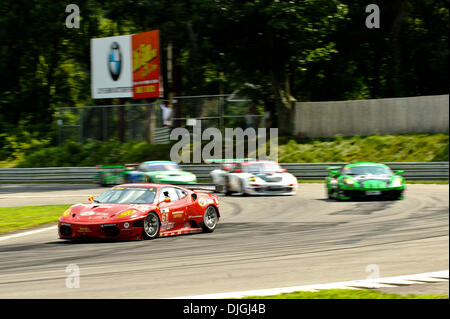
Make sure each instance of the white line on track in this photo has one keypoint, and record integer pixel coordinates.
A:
(355, 284)
(31, 232)
(42, 196)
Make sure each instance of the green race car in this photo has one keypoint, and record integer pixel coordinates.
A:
(147, 172)
(160, 172)
(364, 180)
(111, 174)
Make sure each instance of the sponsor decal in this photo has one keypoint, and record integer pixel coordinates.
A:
(178, 214)
(87, 214)
(126, 225)
(167, 226)
(115, 61)
(202, 201)
(84, 230)
(146, 66)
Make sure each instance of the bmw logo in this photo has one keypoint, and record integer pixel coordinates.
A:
(115, 61)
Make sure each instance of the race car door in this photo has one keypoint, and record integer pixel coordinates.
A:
(173, 213)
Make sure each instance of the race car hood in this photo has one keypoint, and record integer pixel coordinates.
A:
(371, 181)
(362, 178)
(170, 173)
(271, 177)
(103, 211)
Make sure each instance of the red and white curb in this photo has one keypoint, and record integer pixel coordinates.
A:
(429, 277)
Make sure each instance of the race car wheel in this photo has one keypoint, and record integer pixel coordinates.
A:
(226, 189)
(330, 193)
(210, 220)
(151, 226)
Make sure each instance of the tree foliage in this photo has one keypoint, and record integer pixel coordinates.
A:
(305, 50)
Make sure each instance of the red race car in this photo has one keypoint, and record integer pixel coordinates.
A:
(141, 211)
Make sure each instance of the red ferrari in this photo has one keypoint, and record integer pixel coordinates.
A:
(141, 211)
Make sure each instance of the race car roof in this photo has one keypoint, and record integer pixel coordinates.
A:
(156, 185)
(154, 163)
(258, 162)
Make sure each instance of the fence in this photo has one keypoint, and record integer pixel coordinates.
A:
(309, 171)
(144, 122)
(421, 114)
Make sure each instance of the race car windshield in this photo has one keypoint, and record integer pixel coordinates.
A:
(263, 167)
(162, 167)
(366, 170)
(130, 195)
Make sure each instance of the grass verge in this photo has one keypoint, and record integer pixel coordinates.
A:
(22, 217)
(346, 294)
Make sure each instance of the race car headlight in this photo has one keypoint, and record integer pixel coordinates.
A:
(67, 212)
(349, 181)
(126, 213)
(397, 182)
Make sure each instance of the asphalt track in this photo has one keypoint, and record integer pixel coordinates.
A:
(260, 242)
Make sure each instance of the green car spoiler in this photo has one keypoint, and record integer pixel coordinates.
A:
(333, 168)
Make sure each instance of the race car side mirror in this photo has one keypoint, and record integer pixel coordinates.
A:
(399, 172)
(333, 172)
(226, 169)
(238, 171)
(284, 170)
(91, 198)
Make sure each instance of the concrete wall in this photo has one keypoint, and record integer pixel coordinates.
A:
(422, 114)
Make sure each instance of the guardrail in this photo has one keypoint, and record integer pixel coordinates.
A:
(309, 171)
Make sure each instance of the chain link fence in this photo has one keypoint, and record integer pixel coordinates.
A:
(145, 122)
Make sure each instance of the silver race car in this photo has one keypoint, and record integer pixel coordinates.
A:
(254, 178)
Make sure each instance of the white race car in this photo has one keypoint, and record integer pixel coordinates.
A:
(254, 178)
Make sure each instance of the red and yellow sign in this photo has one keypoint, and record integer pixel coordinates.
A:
(146, 67)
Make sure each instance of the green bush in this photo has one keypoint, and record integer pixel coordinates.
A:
(94, 152)
(378, 148)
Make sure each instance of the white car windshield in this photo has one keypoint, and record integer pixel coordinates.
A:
(263, 168)
(366, 170)
(161, 167)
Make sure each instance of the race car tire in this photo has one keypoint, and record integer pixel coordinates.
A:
(151, 226)
(226, 189)
(330, 194)
(242, 189)
(101, 180)
(210, 219)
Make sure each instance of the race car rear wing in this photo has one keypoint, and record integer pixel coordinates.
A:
(126, 166)
(227, 160)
